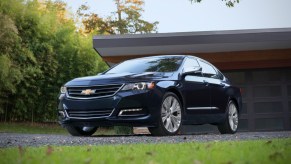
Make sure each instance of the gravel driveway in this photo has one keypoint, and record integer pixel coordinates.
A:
(14, 139)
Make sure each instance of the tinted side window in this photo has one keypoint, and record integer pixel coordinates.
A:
(208, 70)
(190, 62)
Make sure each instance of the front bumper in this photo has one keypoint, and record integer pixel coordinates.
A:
(147, 100)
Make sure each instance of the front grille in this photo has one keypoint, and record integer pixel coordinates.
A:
(81, 92)
(88, 113)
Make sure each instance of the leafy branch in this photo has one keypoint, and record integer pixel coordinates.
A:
(228, 3)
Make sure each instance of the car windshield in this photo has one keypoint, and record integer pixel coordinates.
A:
(152, 64)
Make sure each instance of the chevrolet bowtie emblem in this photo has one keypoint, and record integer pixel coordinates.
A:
(87, 92)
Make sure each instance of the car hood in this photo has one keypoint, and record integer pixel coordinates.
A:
(118, 78)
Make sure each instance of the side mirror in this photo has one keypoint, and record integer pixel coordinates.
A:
(192, 71)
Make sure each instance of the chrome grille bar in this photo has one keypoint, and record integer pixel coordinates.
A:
(85, 114)
(98, 91)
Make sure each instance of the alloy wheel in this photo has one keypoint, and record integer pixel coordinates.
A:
(171, 114)
(233, 117)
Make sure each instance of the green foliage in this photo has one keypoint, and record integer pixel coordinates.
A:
(39, 51)
(44, 128)
(228, 3)
(254, 151)
(127, 19)
(35, 128)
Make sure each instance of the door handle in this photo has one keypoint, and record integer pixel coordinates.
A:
(205, 82)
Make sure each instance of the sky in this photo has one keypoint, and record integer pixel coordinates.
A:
(210, 15)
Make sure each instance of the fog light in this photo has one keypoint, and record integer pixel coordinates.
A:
(61, 96)
(128, 112)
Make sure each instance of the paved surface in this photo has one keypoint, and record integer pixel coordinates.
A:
(14, 139)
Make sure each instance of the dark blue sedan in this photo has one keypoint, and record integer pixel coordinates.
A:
(160, 92)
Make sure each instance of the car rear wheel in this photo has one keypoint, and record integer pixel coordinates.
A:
(230, 125)
(170, 117)
(81, 131)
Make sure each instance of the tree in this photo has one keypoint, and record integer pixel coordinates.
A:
(127, 19)
(10, 70)
(228, 3)
(8, 36)
(93, 23)
(39, 51)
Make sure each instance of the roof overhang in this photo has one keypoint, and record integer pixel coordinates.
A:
(212, 44)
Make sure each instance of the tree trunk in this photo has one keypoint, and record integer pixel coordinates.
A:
(6, 106)
(32, 116)
(119, 17)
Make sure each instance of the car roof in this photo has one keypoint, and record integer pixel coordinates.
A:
(161, 56)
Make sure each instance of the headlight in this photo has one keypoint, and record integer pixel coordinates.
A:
(138, 86)
(63, 89)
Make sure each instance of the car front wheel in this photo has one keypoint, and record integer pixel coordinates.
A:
(169, 122)
(81, 131)
(230, 125)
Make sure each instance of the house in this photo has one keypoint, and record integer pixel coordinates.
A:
(258, 61)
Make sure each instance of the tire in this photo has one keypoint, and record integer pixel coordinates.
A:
(230, 124)
(170, 116)
(81, 131)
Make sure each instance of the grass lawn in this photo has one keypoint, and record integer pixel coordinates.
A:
(41, 128)
(35, 128)
(255, 151)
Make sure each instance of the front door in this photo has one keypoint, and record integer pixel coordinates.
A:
(196, 94)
